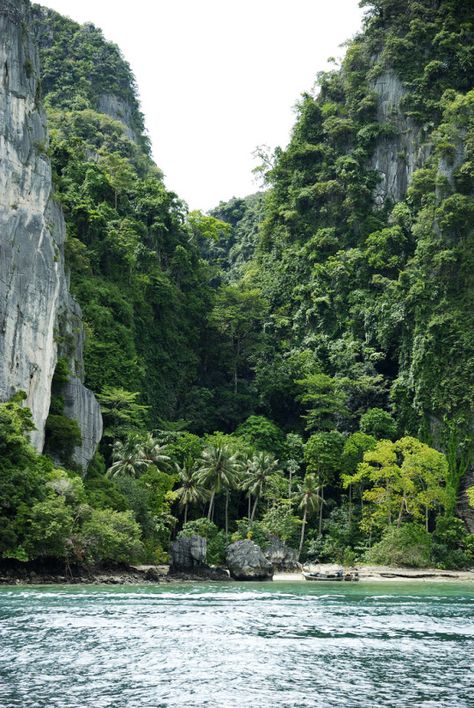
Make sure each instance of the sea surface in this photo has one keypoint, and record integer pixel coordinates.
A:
(266, 644)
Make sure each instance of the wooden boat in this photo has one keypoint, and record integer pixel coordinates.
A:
(337, 577)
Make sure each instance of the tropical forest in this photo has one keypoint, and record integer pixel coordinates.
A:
(294, 366)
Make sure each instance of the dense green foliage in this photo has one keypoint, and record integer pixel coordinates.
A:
(324, 327)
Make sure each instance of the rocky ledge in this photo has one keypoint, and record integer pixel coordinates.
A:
(50, 571)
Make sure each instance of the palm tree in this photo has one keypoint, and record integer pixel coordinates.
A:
(292, 466)
(258, 469)
(310, 500)
(190, 491)
(135, 455)
(245, 465)
(128, 459)
(153, 452)
(218, 470)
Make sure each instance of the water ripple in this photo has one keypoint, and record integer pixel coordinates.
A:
(237, 645)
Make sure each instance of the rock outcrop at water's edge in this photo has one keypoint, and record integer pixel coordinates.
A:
(282, 557)
(36, 308)
(188, 561)
(246, 561)
(188, 554)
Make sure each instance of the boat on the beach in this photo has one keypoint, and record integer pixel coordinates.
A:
(338, 576)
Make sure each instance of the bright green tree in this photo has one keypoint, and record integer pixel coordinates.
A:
(407, 479)
(326, 399)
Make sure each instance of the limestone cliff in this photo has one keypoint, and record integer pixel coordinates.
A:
(36, 309)
(404, 149)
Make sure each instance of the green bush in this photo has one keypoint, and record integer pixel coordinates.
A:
(111, 536)
(217, 540)
(51, 527)
(199, 527)
(452, 546)
(408, 545)
(252, 530)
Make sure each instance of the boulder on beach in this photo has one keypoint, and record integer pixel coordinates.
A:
(188, 561)
(188, 554)
(282, 557)
(246, 561)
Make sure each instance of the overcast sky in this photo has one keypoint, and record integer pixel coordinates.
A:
(217, 78)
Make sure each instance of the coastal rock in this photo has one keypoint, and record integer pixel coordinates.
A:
(188, 554)
(153, 575)
(188, 561)
(246, 561)
(36, 308)
(282, 557)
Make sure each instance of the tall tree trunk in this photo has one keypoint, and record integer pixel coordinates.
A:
(249, 509)
(303, 528)
(211, 504)
(227, 512)
(350, 505)
(185, 513)
(321, 502)
(254, 508)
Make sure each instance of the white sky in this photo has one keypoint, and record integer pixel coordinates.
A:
(217, 78)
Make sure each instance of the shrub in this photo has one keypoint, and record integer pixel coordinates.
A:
(111, 536)
(51, 524)
(452, 546)
(199, 527)
(252, 530)
(407, 545)
(217, 541)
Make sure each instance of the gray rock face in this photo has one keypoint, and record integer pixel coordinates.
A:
(281, 556)
(188, 554)
(396, 156)
(35, 304)
(80, 404)
(246, 561)
(118, 109)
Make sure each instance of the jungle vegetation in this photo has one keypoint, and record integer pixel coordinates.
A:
(297, 363)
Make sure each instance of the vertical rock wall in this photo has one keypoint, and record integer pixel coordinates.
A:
(403, 150)
(34, 299)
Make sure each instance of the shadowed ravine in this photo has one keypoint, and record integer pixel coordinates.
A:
(264, 644)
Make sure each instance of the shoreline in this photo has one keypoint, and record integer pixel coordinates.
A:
(382, 573)
(156, 575)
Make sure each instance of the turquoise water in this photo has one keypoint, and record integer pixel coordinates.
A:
(280, 644)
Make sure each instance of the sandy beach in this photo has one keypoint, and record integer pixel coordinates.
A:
(388, 573)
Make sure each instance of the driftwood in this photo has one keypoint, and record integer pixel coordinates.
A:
(418, 575)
